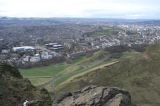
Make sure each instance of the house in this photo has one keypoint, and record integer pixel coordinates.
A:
(38, 57)
(32, 59)
(5, 51)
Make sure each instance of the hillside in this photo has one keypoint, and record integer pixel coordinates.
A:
(55, 75)
(14, 89)
(138, 73)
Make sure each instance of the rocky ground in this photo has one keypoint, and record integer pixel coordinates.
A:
(95, 96)
(14, 90)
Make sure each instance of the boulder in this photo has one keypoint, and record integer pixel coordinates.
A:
(95, 96)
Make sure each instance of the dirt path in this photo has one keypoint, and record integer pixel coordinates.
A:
(90, 70)
(51, 83)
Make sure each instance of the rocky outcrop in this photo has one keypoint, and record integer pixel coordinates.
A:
(14, 89)
(95, 96)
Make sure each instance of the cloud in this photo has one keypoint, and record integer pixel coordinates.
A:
(80, 8)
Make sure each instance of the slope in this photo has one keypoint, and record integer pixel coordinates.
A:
(14, 89)
(138, 73)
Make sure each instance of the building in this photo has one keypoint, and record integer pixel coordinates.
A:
(55, 46)
(24, 49)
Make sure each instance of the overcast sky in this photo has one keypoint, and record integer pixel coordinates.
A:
(131, 9)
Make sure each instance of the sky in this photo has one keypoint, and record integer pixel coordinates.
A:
(127, 9)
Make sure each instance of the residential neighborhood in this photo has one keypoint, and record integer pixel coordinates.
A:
(40, 44)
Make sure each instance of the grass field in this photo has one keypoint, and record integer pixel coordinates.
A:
(50, 70)
(108, 31)
(56, 74)
(41, 75)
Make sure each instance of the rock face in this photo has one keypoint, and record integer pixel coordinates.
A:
(95, 96)
(14, 89)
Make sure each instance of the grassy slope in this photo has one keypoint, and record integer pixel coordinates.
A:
(86, 72)
(54, 75)
(81, 66)
(139, 73)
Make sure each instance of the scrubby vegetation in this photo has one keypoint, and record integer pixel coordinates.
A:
(14, 90)
(136, 72)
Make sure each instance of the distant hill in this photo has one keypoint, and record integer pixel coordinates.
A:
(27, 22)
(57, 21)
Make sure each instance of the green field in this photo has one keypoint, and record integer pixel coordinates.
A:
(41, 75)
(50, 70)
(57, 74)
(108, 31)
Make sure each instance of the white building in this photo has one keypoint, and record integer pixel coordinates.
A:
(23, 49)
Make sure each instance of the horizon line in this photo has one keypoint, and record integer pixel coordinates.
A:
(79, 18)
